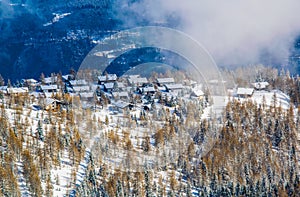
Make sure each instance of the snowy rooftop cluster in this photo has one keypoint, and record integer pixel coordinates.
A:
(107, 87)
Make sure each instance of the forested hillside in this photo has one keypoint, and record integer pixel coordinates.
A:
(72, 150)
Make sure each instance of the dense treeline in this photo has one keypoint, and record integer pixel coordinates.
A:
(34, 152)
(256, 152)
(254, 155)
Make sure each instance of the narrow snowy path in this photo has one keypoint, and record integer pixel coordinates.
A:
(21, 180)
(63, 173)
(81, 173)
(83, 167)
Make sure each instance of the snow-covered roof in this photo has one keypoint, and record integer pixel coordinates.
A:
(129, 89)
(109, 77)
(123, 94)
(133, 76)
(120, 104)
(162, 89)
(174, 86)
(94, 87)
(260, 85)
(17, 90)
(78, 82)
(109, 85)
(120, 85)
(245, 91)
(49, 87)
(139, 80)
(198, 92)
(49, 80)
(81, 88)
(165, 80)
(30, 80)
(120, 94)
(148, 89)
(168, 95)
(86, 94)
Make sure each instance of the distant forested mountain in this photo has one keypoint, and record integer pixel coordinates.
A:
(52, 36)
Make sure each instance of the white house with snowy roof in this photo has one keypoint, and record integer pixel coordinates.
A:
(175, 88)
(260, 85)
(197, 92)
(84, 88)
(137, 81)
(30, 83)
(147, 90)
(165, 81)
(51, 103)
(121, 106)
(17, 91)
(50, 80)
(120, 95)
(79, 82)
(87, 96)
(108, 87)
(108, 78)
(79, 85)
(48, 88)
(244, 92)
(119, 86)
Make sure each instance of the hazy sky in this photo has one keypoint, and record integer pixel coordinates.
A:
(234, 31)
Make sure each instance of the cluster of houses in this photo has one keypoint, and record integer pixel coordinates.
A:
(122, 92)
(248, 92)
(127, 91)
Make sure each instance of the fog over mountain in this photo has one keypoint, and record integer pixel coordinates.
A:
(52, 36)
(235, 32)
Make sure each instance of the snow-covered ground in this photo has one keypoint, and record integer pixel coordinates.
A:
(282, 99)
(63, 174)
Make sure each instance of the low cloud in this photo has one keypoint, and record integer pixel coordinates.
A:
(235, 32)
